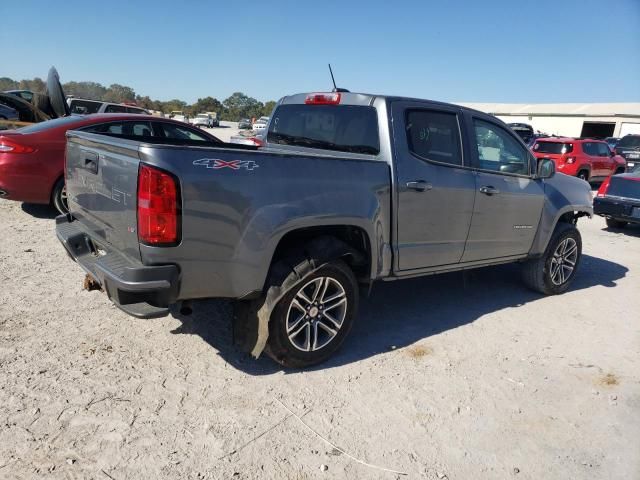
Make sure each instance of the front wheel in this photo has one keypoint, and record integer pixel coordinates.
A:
(555, 270)
(59, 197)
(312, 320)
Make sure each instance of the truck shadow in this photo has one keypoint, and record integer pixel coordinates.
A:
(398, 314)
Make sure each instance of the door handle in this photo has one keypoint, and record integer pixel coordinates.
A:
(419, 185)
(91, 162)
(489, 190)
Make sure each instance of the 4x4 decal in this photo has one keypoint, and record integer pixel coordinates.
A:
(217, 164)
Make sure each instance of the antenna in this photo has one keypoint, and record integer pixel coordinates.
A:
(335, 88)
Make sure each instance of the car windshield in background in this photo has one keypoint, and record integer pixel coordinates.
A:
(553, 147)
(630, 141)
(85, 107)
(343, 128)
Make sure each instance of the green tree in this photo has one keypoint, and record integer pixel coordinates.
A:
(240, 106)
(268, 108)
(88, 90)
(172, 105)
(117, 93)
(36, 85)
(207, 104)
(7, 83)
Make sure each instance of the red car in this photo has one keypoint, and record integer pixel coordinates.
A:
(618, 199)
(32, 158)
(591, 160)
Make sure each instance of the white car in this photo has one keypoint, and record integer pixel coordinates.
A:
(179, 115)
(82, 106)
(261, 124)
(203, 120)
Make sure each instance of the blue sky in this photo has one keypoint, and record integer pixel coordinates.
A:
(483, 51)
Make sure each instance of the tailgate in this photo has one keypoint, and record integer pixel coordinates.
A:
(102, 181)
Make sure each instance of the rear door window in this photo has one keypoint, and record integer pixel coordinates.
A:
(128, 129)
(115, 109)
(590, 149)
(178, 132)
(342, 128)
(434, 136)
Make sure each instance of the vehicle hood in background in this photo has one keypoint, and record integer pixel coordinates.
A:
(56, 94)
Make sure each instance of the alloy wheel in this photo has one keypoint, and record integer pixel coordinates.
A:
(563, 262)
(316, 314)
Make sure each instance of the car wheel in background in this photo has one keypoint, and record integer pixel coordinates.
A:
(554, 271)
(59, 197)
(612, 223)
(584, 175)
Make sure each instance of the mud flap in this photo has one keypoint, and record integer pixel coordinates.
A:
(251, 318)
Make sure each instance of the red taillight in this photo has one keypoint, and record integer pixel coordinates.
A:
(11, 146)
(570, 160)
(604, 186)
(322, 99)
(157, 207)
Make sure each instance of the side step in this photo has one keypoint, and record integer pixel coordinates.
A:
(143, 310)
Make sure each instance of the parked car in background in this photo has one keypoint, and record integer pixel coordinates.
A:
(260, 124)
(618, 199)
(214, 117)
(340, 197)
(523, 130)
(32, 158)
(8, 113)
(81, 106)
(612, 142)
(628, 147)
(179, 115)
(203, 120)
(252, 139)
(590, 160)
(23, 94)
(244, 124)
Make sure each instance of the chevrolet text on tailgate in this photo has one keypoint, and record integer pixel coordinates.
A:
(349, 188)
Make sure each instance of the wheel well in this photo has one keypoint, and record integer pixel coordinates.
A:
(53, 186)
(572, 217)
(620, 170)
(337, 241)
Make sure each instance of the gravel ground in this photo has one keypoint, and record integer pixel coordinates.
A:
(457, 376)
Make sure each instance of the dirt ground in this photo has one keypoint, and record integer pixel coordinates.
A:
(461, 376)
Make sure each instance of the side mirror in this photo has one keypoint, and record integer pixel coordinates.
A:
(546, 168)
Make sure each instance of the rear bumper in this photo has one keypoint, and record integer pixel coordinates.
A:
(616, 208)
(140, 290)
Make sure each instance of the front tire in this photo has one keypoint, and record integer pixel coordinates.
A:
(59, 197)
(554, 271)
(312, 320)
(613, 223)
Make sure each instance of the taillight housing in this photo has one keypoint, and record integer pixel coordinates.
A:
(11, 146)
(323, 99)
(604, 186)
(570, 160)
(158, 207)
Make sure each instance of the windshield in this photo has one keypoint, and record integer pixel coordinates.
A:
(57, 122)
(630, 141)
(557, 148)
(343, 128)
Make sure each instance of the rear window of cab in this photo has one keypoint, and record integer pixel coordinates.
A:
(342, 128)
(554, 148)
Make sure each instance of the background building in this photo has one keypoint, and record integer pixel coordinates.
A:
(596, 120)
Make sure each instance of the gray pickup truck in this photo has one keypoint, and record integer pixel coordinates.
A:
(349, 189)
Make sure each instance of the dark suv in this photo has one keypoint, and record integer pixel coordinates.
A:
(629, 148)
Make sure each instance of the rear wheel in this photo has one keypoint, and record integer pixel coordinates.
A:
(555, 270)
(313, 318)
(59, 197)
(613, 223)
(584, 175)
(619, 171)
